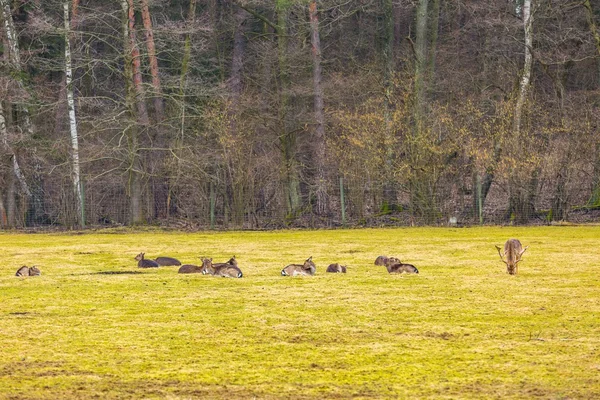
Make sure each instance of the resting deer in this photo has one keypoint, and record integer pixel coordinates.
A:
(308, 268)
(167, 261)
(400, 268)
(385, 260)
(26, 271)
(336, 268)
(190, 269)
(143, 263)
(225, 270)
(513, 250)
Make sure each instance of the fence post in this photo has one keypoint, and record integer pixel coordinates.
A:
(212, 206)
(82, 206)
(342, 201)
(479, 200)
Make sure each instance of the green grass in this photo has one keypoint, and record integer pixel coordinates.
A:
(95, 326)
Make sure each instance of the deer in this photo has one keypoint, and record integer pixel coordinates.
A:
(225, 270)
(336, 268)
(401, 268)
(167, 261)
(26, 271)
(190, 269)
(513, 250)
(308, 268)
(385, 260)
(143, 263)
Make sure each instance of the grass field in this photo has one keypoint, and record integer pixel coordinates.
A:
(95, 326)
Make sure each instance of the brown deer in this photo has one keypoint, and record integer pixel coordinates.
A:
(513, 250)
(167, 261)
(225, 270)
(26, 271)
(385, 260)
(143, 263)
(336, 268)
(400, 268)
(190, 269)
(308, 268)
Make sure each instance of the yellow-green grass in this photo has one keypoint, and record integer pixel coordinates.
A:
(96, 326)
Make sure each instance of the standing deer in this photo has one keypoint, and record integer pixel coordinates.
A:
(225, 270)
(308, 268)
(143, 263)
(336, 268)
(26, 271)
(513, 250)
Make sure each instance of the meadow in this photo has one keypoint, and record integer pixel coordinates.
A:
(93, 325)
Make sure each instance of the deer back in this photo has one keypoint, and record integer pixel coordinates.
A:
(400, 268)
(336, 268)
(228, 271)
(513, 250)
(23, 271)
(167, 261)
(143, 263)
(190, 269)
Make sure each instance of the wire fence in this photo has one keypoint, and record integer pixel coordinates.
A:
(349, 203)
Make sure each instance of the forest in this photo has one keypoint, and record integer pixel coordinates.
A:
(254, 114)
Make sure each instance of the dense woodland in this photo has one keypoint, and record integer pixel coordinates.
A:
(265, 114)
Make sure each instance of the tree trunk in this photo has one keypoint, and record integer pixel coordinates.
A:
(35, 193)
(389, 189)
(153, 61)
(236, 180)
(595, 196)
(132, 96)
(288, 134)
(420, 63)
(187, 52)
(319, 109)
(521, 203)
(77, 188)
(61, 104)
(136, 71)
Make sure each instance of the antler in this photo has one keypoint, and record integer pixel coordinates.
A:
(500, 254)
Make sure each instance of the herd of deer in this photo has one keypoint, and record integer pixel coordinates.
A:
(513, 251)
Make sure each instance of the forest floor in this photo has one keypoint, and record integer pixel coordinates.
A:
(93, 325)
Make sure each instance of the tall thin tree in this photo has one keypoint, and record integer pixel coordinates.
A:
(75, 170)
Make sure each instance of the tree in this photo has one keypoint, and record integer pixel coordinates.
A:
(77, 186)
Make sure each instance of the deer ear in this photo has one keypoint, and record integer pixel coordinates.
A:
(309, 258)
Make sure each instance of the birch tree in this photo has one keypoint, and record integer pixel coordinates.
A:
(75, 174)
(521, 200)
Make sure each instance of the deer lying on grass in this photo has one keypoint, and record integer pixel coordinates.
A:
(400, 268)
(385, 260)
(336, 268)
(395, 266)
(513, 250)
(143, 263)
(26, 271)
(308, 268)
(225, 270)
(190, 269)
(167, 261)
